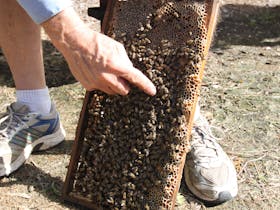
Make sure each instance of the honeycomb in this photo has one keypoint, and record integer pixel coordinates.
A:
(134, 146)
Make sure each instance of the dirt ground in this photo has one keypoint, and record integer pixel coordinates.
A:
(240, 94)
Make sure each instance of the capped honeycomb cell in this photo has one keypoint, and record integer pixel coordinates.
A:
(130, 150)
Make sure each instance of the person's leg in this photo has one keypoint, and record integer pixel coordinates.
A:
(21, 43)
(32, 123)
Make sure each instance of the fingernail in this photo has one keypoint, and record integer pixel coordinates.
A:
(152, 90)
(125, 92)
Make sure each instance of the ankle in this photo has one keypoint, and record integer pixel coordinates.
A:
(37, 100)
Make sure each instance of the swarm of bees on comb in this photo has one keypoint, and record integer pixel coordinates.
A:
(134, 146)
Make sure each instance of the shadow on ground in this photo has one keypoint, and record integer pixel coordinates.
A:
(36, 179)
(56, 69)
(248, 25)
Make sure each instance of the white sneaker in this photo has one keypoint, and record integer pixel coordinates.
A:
(22, 132)
(209, 173)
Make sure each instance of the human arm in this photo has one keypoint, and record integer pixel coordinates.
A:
(96, 60)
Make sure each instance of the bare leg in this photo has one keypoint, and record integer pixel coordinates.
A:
(21, 43)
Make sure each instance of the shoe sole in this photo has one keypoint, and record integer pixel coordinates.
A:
(41, 144)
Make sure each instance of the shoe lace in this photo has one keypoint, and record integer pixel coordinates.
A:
(9, 123)
(204, 145)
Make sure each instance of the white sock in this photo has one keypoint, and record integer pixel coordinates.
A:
(37, 100)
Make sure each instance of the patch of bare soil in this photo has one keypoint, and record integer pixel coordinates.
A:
(240, 94)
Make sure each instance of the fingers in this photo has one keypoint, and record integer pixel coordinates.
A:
(110, 91)
(106, 66)
(116, 84)
(137, 78)
(105, 89)
(128, 72)
(121, 86)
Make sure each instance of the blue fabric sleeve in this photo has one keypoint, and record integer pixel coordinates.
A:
(42, 10)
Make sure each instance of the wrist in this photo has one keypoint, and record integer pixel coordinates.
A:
(66, 29)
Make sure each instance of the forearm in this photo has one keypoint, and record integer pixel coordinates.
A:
(96, 60)
(66, 30)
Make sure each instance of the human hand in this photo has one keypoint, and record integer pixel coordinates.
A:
(95, 60)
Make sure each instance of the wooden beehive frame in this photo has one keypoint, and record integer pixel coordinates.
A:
(212, 12)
